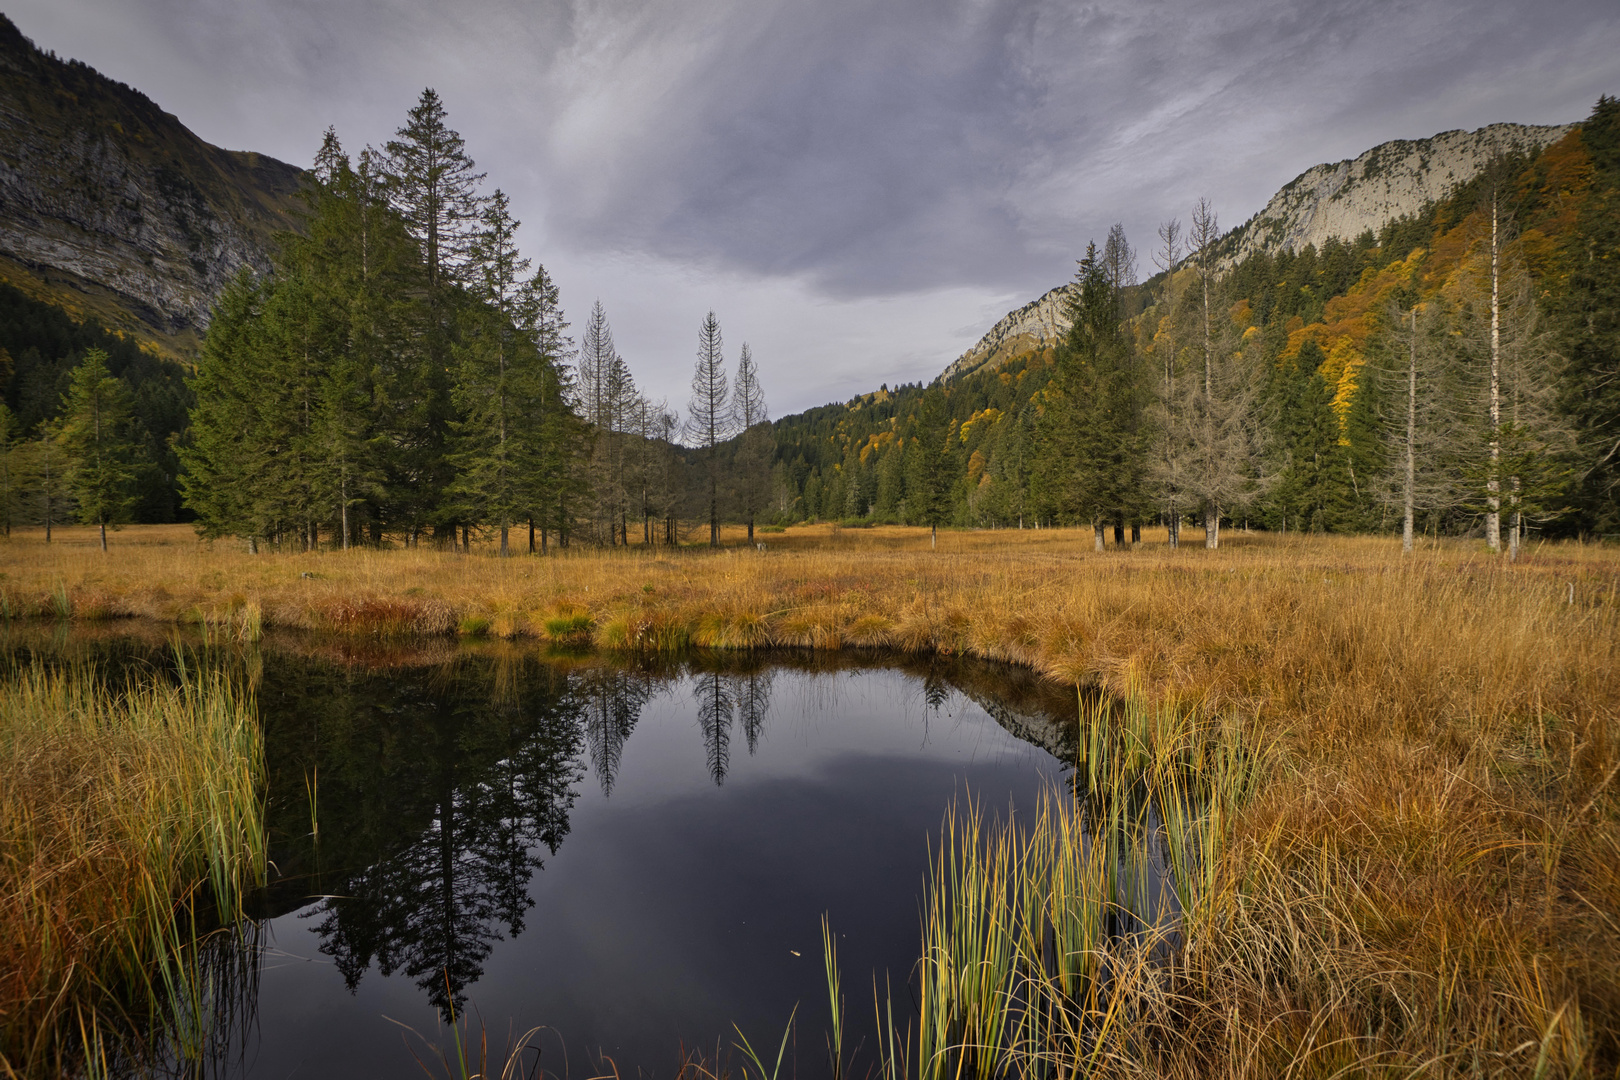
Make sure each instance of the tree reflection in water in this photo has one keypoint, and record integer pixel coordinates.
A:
(727, 691)
(440, 790)
(611, 700)
(492, 781)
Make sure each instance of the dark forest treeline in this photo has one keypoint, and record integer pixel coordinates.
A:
(406, 373)
(1278, 390)
(402, 371)
(40, 347)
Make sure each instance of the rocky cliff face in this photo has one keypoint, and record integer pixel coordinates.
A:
(1344, 200)
(110, 206)
(1389, 181)
(1036, 325)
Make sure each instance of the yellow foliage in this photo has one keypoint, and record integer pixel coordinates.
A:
(988, 416)
(1243, 314)
(877, 443)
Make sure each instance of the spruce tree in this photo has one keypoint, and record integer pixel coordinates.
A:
(221, 462)
(930, 465)
(1589, 325)
(1091, 438)
(96, 441)
(1218, 405)
(558, 474)
(1309, 431)
(500, 382)
(608, 400)
(434, 189)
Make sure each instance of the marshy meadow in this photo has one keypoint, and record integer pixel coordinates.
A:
(1317, 808)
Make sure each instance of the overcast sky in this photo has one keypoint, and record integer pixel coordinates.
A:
(858, 188)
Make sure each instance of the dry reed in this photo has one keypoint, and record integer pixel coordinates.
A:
(123, 813)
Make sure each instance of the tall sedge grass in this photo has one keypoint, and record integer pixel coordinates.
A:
(1049, 947)
(130, 820)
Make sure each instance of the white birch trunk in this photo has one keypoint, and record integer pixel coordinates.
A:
(1493, 482)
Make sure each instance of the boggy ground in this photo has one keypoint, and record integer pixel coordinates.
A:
(1429, 881)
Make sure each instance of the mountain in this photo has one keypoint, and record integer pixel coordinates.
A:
(1343, 200)
(1390, 181)
(1036, 325)
(110, 207)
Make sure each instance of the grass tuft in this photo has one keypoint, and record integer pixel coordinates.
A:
(123, 812)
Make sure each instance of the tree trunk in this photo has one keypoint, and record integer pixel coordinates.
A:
(1097, 529)
(933, 537)
(1212, 526)
(103, 525)
(504, 551)
(531, 536)
(1493, 484)
(1408, 497)
(1516, 530)
(1136, 532)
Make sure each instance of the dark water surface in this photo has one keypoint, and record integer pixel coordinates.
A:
(635, 857)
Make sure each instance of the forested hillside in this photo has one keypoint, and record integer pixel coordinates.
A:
(40, 346)
(1290, 390)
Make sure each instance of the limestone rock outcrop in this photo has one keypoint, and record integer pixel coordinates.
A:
(1343, 200)
(1393, 179)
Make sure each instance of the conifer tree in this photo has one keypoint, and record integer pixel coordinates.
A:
(558, 475)
(608, 399)
(45, 475)
(1219, 406)
(1310, 436)
(500, 384)
(1091, 441)
(1168, 412)
(434, 189)
(929, 465)
(221, 461)
(709, 417)
(1523, 472)
(1424, 419)
(96, 441)
(8, 471)
(365, 267)
(754, 450)
(1589, 324)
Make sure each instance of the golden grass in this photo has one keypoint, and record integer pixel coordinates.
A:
(1432, 873)
(120, 812)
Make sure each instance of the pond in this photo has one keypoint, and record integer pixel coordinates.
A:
(635, 856)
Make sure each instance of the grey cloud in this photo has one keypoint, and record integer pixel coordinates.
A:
(857, 148)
